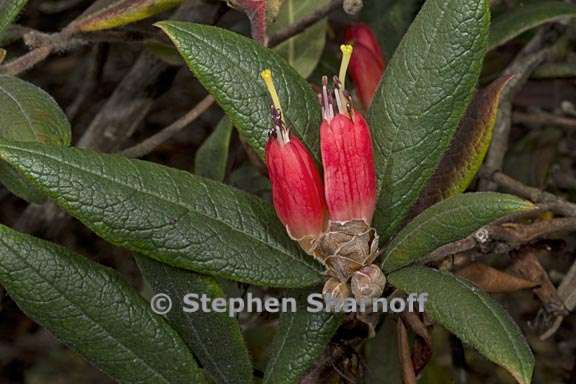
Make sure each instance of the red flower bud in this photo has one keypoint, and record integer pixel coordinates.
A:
(349, 173)
(367, 63)
(297, 190)
(347, 155)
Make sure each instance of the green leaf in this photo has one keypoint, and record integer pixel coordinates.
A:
(472, 315)
(390, 19)
(467, 150)
(212, 157)
(447, 221)
(112, 14)
(9, 10)
(94, 311)
(215, 338)
(301, 338)
(525, 17)
(229, 66)
(27, 113)
(169, 215)
(304, 50)
(423, 96)
(383, 364)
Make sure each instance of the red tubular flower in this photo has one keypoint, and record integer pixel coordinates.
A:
(347, 155)
(367, 63)
(349, 173)
(297, 190)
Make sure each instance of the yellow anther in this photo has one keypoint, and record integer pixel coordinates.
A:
(266, 75)
(346, 55)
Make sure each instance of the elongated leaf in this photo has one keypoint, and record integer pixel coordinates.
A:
(525, 17)
(301, 339)
(304, 50)
(169, 215)
(390, 19)
(447, 221)
(27, 113)
(212, 156)
(383, 364)
(472, 315)
(467, 150)
(215, 338)
(421, 100)
(229, 66)
(9, 10)
(118, 13)
(91, 309)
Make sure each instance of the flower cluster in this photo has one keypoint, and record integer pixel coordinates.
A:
(329, 216)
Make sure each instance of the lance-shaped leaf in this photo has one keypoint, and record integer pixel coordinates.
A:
(117, 13)
(525, 17)
(304, 50)
(214, 337)
(472, 315)
(422, 98)
(27, 113)
(94, 311)
(169, 215)
(302, 337)
(229, 66)
(9, 10)
(467, 150)
(212, 156)
(447, 221)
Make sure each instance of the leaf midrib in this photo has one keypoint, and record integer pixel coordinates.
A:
(163, 198)
(276, 358)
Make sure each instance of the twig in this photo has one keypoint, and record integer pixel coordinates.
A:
(27, 61)
(544, 119)
(148, 145)
(304, 23)
(515, 234)
(408, 373)
(504, 236)
(555, 203)
(522, 67)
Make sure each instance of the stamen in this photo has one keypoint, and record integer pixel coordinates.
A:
(338, 94)
(348, 99)
(346, 55)
(325, 103)
(280, 130)
(338, 100)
